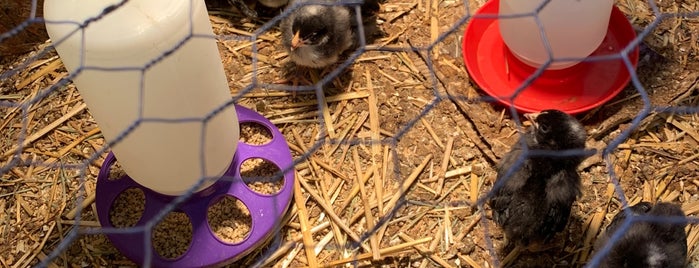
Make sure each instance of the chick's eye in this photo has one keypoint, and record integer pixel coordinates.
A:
(312, 36)
(544, 128)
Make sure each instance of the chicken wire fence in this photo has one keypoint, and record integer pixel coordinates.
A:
(21, 144)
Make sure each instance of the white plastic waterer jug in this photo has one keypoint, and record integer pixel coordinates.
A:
(161, 153)
(574, 29)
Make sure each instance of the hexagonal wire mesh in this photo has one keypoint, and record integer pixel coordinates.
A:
(25, 93)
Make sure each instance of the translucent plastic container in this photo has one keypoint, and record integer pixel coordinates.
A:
(165, 156)
(574, 29)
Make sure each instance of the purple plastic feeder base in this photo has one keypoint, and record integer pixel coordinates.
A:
(205, 248)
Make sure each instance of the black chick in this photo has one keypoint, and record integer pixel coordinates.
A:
(316, 35)
(534, 203)
(646, 244)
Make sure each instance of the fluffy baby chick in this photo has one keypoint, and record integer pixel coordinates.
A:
(646, 244)
(316, 35)
(534, 203)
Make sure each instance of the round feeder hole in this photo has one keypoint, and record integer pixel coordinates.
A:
(172, 236)
(229, 220)
(254, 133)
(116, 172)
(127, 208)
(262, 176)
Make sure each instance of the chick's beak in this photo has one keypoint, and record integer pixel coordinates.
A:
(296, 41)
(532, 118)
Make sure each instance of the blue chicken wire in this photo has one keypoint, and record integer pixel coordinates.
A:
(15, 159)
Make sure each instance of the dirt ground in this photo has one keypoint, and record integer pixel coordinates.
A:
(432, 157)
